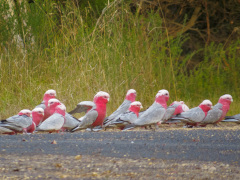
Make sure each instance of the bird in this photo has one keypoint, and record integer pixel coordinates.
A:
(130, 97)
(175, 108)
(194, 116)
(154, 113)
(127, 117)
(49, 94)
(56, 120)
(17, 123)
(234, 118)
(219, 111)
(37, 117)
(95, 116)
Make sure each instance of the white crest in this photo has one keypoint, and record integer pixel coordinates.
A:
(185, 107)
(162, 92)
(227, 96)
(38, 110)
(102, 93)
(53, 100)
(178, 102)
(62, 107)
(25, 111)
(136, 103)
(51, 91)
(207, 102)
(130, 91)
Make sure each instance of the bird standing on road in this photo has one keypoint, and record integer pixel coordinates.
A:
(17, 123)
(95, 116)
(195, 116)
(219, 111)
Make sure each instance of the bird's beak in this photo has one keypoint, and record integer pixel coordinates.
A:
(141, 106)
(108, 99)
(231, 100)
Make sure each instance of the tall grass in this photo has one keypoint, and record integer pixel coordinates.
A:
(68, 49)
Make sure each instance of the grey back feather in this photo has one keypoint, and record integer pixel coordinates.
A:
(169, 112)
(88, 119)
(83, 106)
(194, 115)
(121, 109)
(70, 121)
(213, 115)
(152, 115)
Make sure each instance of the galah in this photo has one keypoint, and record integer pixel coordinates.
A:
(130, 97)
(37, 117)
(154, 113)
(49, 94)
(56, 120)
(175, 108)
(18, 123)
(235, 118)
(128, 117)
(219, 111)
(195, 115)
(96, 115)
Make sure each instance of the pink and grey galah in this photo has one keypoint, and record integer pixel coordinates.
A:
(128, 117)
(130, 97)
(49, 94)
(154, 113)
(175, 108)
(37, 117)
(219, 111)
(195, 115)
(95, 116)
(17, 123)
(56, 120)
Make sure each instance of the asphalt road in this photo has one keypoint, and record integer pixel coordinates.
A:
(182, 144)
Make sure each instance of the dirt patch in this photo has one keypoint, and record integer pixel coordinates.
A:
(98, 167)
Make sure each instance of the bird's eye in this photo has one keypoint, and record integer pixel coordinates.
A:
(166, 94)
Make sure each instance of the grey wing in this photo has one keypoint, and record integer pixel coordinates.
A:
(13, 118)
(212, 116)
(83, 106)
(169, 112)
(54, 122)
(70, 121)
(22, 121)
(42, 105)
(88, 119)
(129, 117)
(194, 115)
(11, 127)
(152, 115)
(5, 130)
(121, 109)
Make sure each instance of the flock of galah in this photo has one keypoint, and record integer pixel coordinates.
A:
(51, 115)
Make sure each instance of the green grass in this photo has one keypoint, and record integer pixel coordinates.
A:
(65, 50)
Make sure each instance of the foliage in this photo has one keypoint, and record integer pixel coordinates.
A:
(78, 51)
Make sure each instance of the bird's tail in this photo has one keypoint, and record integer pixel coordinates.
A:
(230, 120)
(128, 127)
